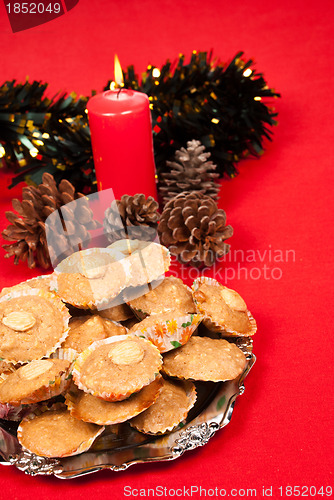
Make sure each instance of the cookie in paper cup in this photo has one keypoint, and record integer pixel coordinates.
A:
(33, 324)
(167, 330)
(224, 310)
(114, 368)
(56, 433)
(156, 261)
(171, 408)
(89, 279)
(36, 381)
(146, 264)
(84, 330)
(147, 260)
(89, 408)
(203, 358)
(170, 294)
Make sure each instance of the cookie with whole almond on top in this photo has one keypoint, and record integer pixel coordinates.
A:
(224, 310)
(33, 324)
(115, 368)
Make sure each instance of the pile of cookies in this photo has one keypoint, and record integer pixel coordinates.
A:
(108, 339)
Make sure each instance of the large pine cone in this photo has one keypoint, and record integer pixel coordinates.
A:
(27, 226)
(134, 217)
(191, 171)
(194, 229)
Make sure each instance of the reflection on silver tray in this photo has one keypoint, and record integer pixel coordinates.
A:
(212, 411)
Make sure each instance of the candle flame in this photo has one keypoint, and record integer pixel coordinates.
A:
(118, 73)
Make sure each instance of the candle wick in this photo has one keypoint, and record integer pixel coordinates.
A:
(119, 92)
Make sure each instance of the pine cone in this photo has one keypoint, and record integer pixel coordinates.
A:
(191, 171)
(27, 228)
(133, 217)
(194, 229)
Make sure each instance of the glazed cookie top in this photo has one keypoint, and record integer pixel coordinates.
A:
(224, 307)
(33, 324)
(115, 368)
(27, 379)
(172, 406)
(84, 330)
(89, 278)
(169, 295)
(203, 358)
(92, 409)
(63, 435)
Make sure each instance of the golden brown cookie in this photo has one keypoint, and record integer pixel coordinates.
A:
(89, 279)
(171, 294)
(55, 433)
(223, 309)
(33, 324)
(155, 259)
(84, 330)
(115, 368)
(206, 359)
(172, 406)
(95, 410)
(36, 381)
(144, 261)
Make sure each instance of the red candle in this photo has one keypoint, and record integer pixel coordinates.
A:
(121, 132)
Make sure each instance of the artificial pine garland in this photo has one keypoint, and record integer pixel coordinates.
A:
(220, 105)
(40, 135)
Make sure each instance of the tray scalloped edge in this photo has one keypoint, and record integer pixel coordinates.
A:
(192, 436)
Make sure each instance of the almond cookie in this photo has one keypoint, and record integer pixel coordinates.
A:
(84, 330)
(171, 294)
(95, 410)
(37, 381)
(33, 324)
(89, 279)
(172, 406)
(206, 359)
(223, 309)
(167, 330)
(115, 368)
(55, 433)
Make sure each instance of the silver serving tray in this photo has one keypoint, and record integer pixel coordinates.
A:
(212, 411)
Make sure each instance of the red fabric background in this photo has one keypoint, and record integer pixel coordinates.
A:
(281, 430)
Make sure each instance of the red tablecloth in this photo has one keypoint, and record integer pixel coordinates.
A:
(280, 207)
